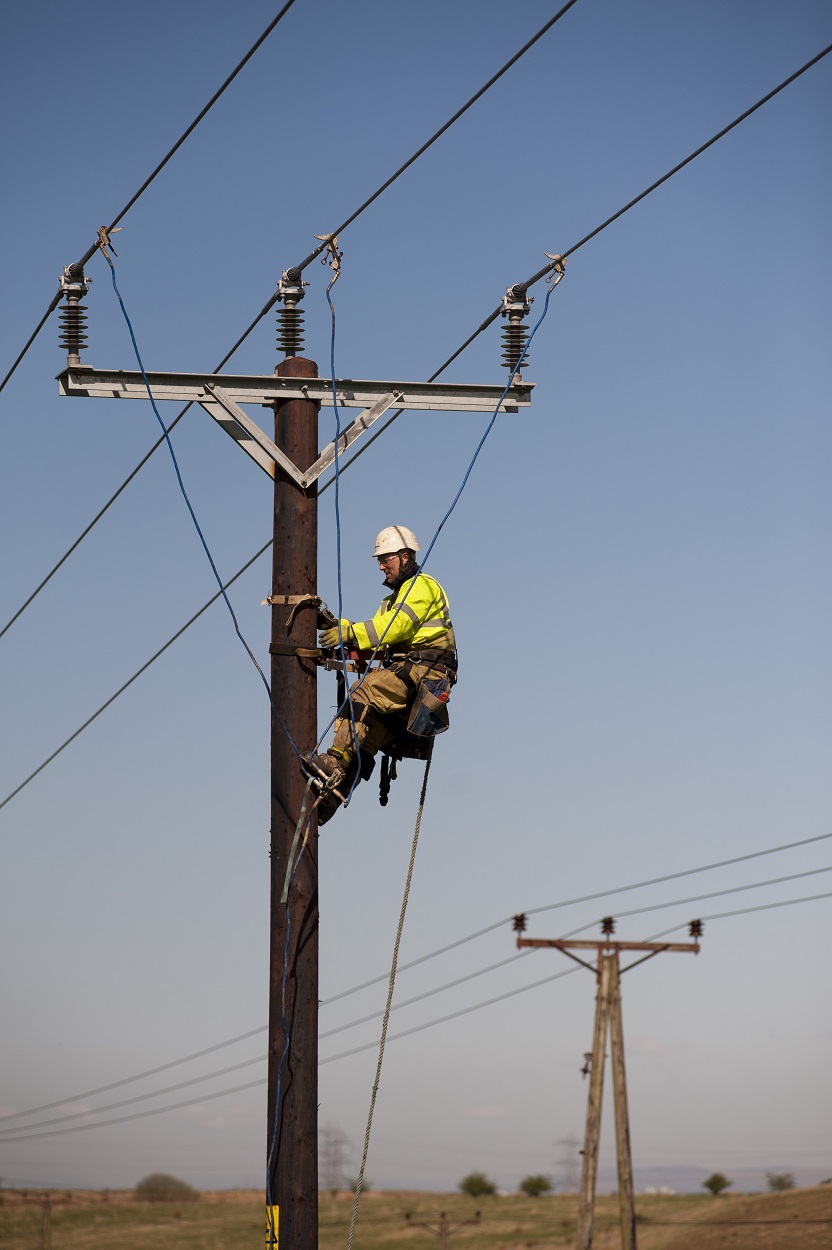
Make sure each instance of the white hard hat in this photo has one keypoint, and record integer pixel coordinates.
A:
(395, 538)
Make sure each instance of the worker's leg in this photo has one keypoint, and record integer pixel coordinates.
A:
(380, 692)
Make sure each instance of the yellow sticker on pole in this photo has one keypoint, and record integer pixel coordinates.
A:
(272, 1225)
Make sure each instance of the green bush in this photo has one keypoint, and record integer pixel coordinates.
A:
(477, 1185)
(716, 1182)
(534, 1186)
(158, 1187)
(779, 1181)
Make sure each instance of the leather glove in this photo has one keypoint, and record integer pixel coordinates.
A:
(329, 637)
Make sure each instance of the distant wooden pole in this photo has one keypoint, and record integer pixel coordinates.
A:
(607, 1007)
(593, 1112)
(622, 1122)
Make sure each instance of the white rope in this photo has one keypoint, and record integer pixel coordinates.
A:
(360, 1182)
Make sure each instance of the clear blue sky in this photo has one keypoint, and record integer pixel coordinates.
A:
(638, 572)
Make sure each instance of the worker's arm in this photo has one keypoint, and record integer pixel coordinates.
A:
(397, 620)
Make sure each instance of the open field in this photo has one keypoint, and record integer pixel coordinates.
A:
(800, 1219)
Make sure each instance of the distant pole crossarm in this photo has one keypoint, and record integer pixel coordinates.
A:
(565, 944)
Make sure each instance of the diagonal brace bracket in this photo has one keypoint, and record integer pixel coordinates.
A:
(263, 442)
(266, 453)
(353, 431)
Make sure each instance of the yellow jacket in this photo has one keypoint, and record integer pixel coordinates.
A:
(413, 617)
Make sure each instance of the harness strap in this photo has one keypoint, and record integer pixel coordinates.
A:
(288, 648)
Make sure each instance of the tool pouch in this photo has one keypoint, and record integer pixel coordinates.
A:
(429, 710)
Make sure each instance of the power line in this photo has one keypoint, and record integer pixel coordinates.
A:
(743, 911)
(126, 483)
(126, 1102)
(406, 1002)
(367, 443)
(128, 1080)
(419, 1028)
(541, 273)
(273, 300)
(138, 673)
(90, 252)
(299, 268)
(138, 1115)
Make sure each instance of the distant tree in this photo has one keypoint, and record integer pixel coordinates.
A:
(159, 1187)
(716, 1182)
(778, 1181)
(477, 1185)
(534, 1186)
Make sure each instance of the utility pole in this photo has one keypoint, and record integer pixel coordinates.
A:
(608, 1014)
(443, 1228)
(291, 459)
(292, 1117)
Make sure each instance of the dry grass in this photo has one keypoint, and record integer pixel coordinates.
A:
(797, 1220)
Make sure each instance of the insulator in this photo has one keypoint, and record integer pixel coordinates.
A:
(608, 925)
(290, 330)
(73, 327)
(696, 927)
(520, 923)
(515, 337)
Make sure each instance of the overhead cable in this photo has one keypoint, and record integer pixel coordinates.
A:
(272, 301)
(126, 483)
(91, 250)
(193, 516)
(207, 1076)
(299, 268)
(138, 673)
(743, 911)
(139, 1076)
(126, 1102)
(570, 251)
(367, 443)
(419, 1028)
(425, 994)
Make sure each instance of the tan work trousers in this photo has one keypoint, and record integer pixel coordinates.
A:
(381, 691)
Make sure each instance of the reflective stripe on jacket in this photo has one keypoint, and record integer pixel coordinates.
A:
(416, 615)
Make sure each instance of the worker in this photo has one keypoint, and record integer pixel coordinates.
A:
(412, 636)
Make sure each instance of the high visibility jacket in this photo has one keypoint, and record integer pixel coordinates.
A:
(413, 617)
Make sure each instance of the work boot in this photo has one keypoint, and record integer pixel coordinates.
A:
(336, 776)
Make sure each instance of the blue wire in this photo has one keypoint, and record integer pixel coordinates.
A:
(274, 711)
(468, 472)
(251, 655)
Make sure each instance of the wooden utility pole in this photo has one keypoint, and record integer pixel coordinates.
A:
(291, 459)
(607, 1013)
(292, 1119)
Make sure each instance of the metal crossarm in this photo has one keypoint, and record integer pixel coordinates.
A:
(266, 388)
(221, 396)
